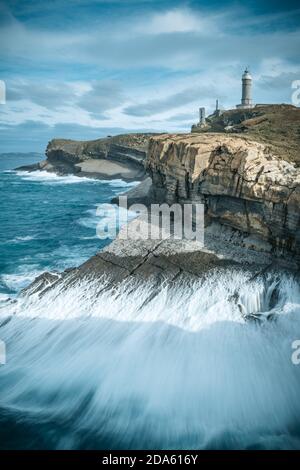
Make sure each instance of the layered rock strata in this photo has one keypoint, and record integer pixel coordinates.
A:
(120, 156)
(242, 184)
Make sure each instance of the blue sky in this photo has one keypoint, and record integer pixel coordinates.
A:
(84, 69)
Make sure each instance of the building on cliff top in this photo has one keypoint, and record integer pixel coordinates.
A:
(246, 102)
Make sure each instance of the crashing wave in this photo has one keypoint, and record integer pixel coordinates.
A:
(135, 367)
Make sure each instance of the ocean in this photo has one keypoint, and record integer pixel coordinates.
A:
(48, 222)
(90, 370)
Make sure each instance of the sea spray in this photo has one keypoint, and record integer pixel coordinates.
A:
(136, 367)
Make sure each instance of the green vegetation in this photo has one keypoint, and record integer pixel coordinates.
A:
(277, 125)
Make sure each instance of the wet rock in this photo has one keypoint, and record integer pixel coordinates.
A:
(41, 283)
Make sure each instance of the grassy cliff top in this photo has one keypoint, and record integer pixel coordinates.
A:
(275, 125)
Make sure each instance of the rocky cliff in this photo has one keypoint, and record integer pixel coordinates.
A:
(244, 166)
(244, 184)
(121, 156)
(276, 125)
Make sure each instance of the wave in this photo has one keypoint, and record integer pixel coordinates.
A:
(18, 240)
(52, 178)
(118, 183)
(111, 212)
(136, 367)
(4, 297)
(17, 281)
(25, 238)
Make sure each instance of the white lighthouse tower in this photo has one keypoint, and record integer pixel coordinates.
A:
(246, 101)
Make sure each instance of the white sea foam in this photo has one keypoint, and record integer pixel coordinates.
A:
(26, 238)
(20, 280)
(94, 237)
(46, 177)
(110, 212)
(178, 368)
(4, 297)
(51, 178)
(118, 183)
(19, 239)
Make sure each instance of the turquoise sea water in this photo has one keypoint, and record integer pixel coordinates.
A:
(48, 223)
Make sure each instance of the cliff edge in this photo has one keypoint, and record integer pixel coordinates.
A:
(120, 156)
(243, 184)
(276, 125)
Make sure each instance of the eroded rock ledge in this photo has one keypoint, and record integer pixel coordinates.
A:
(161, 265)
(242, 183)
(120, 156)
(159, 262)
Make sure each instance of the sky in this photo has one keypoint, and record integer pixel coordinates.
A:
(84, 69)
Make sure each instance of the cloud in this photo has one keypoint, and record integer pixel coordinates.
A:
(20, 41)
(102, 96)
(180, 38)
(282, 80)
(182, 117)
(47, 94)
(139, 64)
(95, 97)
(35, 135)
(175, 100)
(177, 21)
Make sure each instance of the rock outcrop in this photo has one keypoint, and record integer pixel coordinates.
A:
(276, 125)
(158, 266)
(121, 156)
(246, 171)
(242, 183)
(160, 262)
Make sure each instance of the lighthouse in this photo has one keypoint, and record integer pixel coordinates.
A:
(246, 101)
